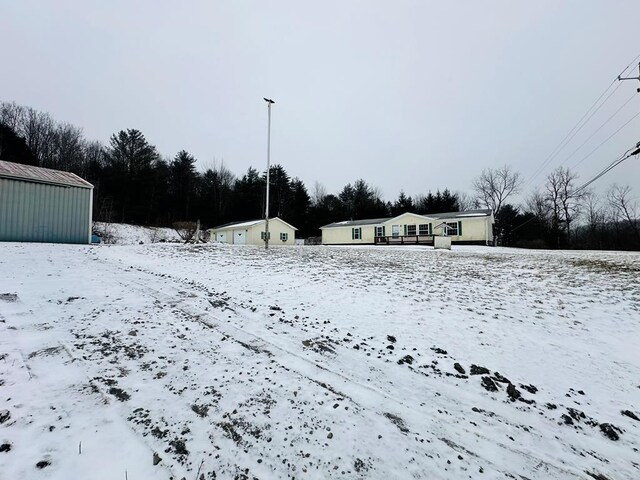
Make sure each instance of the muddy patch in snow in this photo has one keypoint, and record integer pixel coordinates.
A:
(320, 345)
(397, 421)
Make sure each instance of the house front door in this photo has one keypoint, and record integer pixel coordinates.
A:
(395, 230)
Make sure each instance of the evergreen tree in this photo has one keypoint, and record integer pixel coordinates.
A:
(438, 203)
(448, 202)
(279, 191)
(216, 190)
(182, 186)
(362, 201)
(159, 194)
(402, 205)
(298, 214)
(130, 162)
(327, 209)
(506, 220)
(248, 196)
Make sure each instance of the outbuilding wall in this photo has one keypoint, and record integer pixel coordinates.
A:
(254, 233)
(39, 212)
(276, 226)
(226, 232)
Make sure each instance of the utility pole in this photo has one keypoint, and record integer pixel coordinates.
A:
(266, 214)
(632, 78)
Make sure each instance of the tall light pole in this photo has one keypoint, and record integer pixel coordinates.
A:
(266, 213)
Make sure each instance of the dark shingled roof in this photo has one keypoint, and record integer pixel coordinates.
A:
(29, 173)
(469, 213)
(249, 223)
(243, 223)
(355, 223)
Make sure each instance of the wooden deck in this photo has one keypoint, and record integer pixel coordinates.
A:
(405, 240)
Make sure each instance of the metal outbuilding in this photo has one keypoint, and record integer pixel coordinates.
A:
(44, 205)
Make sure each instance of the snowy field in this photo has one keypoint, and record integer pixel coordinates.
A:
(230, 362)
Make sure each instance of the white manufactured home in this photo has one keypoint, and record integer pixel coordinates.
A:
(470, 227)
(252, 232)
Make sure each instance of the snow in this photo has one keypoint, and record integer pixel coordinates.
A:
(236, 362)
(242, 224)
(471, 215)
(124, 234)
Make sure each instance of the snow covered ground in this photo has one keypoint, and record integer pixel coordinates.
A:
(125, 234)
(317, 362)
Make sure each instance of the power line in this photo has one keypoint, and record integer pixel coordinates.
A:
(607, 139)
(581, 123)
(610, 167)
(598, 129)
(574, 131)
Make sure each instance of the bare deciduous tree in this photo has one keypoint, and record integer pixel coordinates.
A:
(38, 129)
(12, 115)
(594, 213)
(624, 206)
(318, 193)
(595, 217)
(466, 202)
(186, 230)
(563, 200)
(494, 186)
(67, 151)
(537, 204)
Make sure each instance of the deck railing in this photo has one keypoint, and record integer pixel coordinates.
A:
(404, 240)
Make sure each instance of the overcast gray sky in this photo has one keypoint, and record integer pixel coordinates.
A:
(411, 95)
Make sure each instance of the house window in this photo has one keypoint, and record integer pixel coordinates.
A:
(423, 229)
(380, 231)
(284, 236)
(411, 229)
(356, 233)
(262, 235)
(453, 228)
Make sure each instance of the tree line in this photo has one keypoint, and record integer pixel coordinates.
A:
(134, 183)
(559, 213)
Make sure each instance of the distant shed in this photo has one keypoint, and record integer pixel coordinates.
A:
(252, 232)
(44, 205)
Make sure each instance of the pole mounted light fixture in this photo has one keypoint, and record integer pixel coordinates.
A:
(266, 212)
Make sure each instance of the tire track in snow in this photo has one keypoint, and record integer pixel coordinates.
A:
(364, 396)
